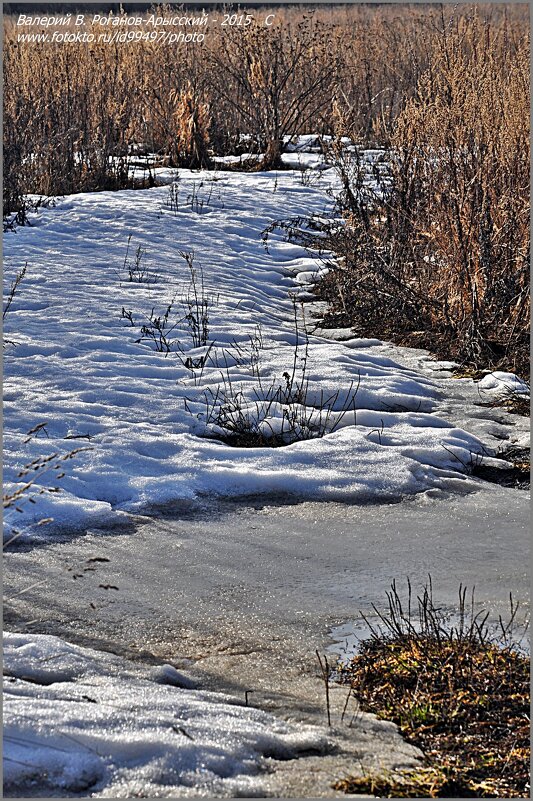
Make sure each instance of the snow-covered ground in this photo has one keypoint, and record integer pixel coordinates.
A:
(77, 365)
(76, 719)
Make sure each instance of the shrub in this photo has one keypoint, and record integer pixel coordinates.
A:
(276, 79)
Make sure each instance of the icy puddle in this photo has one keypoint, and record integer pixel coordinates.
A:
(241, 573)
(239, 596)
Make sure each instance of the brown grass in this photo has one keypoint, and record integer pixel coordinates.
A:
(461, 695)
(68, 108)
(438, 256)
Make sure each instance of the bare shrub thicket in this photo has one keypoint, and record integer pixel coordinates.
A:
(276, 80)
(71, 112)
(438, 239)
(67, 120)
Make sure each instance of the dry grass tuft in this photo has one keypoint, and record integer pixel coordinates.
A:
(459, 693)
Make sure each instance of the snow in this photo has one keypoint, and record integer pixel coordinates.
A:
(78, 720)
(501, 383)
(293, 160)
(141, 416)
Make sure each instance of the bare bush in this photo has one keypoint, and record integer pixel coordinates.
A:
(277, 80)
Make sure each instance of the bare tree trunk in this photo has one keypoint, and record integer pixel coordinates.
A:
(272, 157)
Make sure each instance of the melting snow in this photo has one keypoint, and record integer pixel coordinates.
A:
(76, 719)
(77, 363)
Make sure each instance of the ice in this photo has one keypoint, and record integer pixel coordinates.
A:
(242, 592)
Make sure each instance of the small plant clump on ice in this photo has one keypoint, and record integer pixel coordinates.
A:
(458, 691)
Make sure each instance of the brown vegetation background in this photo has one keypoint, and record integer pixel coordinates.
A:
(444, 89)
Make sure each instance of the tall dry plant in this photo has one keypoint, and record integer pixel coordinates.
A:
(192, 130)
(463, 141)
(437, 250)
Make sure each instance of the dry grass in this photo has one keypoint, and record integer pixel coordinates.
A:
(441, 242)
(459, 693)
(71, 111)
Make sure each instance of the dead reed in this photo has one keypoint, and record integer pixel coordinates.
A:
(72, 112)
(435, 251)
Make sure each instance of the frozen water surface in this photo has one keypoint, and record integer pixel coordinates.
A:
(237, 596)
(242, 570)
